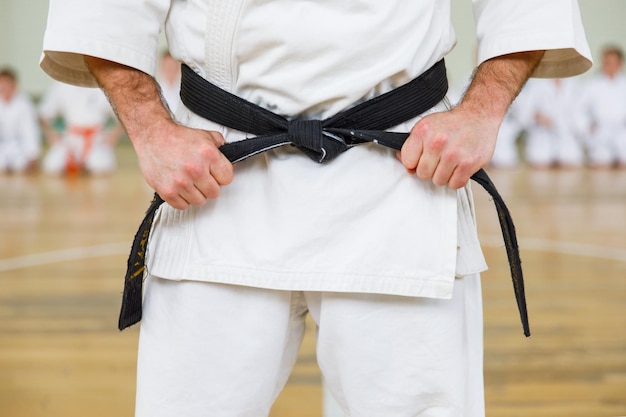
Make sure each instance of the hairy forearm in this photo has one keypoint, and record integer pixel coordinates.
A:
(448, 147)
(496, 83)
(134, 96)
(183, 165)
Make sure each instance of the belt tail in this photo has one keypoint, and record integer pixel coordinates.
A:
(130, 313)
(510, 242)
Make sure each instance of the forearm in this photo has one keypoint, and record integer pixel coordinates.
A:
(497, 82)
(449, 147)
(134, 95)
(183, 165)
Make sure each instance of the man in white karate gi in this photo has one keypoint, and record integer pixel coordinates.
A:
(381, 251)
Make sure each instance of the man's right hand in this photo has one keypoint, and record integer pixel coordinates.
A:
(183, 165)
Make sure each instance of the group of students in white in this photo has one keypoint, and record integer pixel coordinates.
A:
(78, 124)
(562, 122)
(569, 122)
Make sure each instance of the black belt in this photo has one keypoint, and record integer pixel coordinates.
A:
(322, 140)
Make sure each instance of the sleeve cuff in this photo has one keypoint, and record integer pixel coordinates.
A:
(63, 58)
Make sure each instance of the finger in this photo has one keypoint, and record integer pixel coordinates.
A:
(443, 173)
(196, 197)
(221, 170)
(216, 137)
(426, 166)
(399, 157)
(176, 201)
(220, 167)
(182, 204)
(182, 191)
(208, 187)
(459, 178)
(411, 152)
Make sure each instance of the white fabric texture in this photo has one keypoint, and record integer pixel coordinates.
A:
(359, 223)
(205, 349)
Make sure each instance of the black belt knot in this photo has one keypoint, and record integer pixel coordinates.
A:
(310, 138)
(322, 140)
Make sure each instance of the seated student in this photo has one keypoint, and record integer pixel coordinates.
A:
(603, 112)
(86, 143)
(551, 135)
(20, 137)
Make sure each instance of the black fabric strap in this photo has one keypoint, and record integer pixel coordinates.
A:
(322, 141)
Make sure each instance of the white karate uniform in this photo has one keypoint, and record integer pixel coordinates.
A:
(603, 115)
(357, 225)
(85, 112)
(556, 144)
(20, 136)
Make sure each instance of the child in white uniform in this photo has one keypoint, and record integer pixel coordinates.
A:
(90, 130)
(20, 136)
(548, 108)
(603, 112)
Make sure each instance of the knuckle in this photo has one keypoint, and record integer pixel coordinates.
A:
(208, 152)
(191, 169)
(437, 142)
(216, 137)
(421, 127)
(468, 165)
(179, 183)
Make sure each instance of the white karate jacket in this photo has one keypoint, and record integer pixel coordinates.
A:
(359, 223)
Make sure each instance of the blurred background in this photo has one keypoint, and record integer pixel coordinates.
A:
(68, 214)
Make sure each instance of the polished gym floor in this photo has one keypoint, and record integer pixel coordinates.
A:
(63, 248)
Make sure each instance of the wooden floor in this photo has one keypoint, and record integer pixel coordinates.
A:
(63, 246)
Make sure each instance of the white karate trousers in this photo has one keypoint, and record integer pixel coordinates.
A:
(220, 350)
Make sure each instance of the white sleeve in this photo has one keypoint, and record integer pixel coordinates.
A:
(508, 26)
(123, 31)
